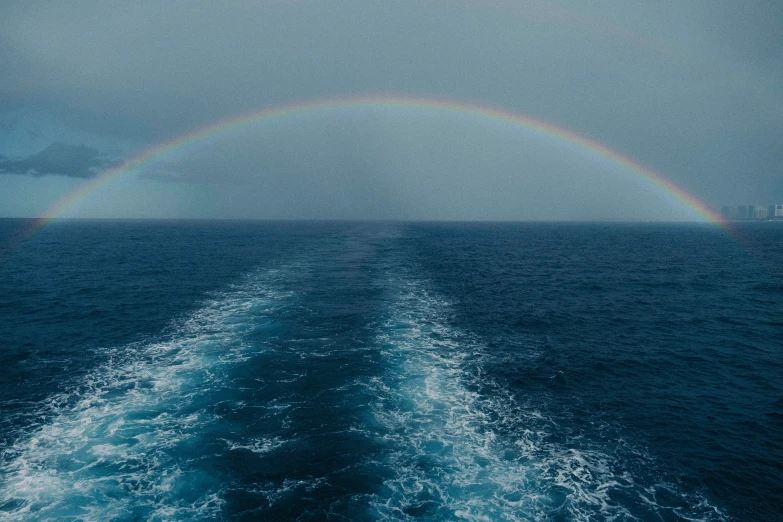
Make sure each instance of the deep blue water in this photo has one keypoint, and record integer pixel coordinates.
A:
(391, 371)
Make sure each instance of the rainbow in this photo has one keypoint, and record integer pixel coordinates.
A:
(280, 112)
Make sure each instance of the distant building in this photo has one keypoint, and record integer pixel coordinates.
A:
(751, 212)
(760, 212)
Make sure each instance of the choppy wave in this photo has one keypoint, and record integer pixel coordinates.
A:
(394, 416)
(461, 445)
(125, 445)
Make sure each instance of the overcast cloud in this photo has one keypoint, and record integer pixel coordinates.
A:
(691, 90)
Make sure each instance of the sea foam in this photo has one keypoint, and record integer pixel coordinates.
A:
(462, 445)
(124, 444)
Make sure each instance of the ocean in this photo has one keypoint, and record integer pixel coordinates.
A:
(228, 370)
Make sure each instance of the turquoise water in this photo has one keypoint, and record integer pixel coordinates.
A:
(391, 371)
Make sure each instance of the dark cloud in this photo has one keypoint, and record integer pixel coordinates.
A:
(76, 161)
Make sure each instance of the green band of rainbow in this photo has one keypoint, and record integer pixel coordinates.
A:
(283, 111)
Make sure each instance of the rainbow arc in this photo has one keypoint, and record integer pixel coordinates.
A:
(270, 114)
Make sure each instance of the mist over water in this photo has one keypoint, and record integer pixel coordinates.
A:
(388, 371)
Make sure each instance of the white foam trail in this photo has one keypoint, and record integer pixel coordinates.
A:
(447, 462)
(258, 445)
(461, 446)
(117, 448)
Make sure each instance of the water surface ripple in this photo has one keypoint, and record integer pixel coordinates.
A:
(390, 371)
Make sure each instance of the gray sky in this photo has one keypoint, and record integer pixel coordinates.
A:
(692, 90)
